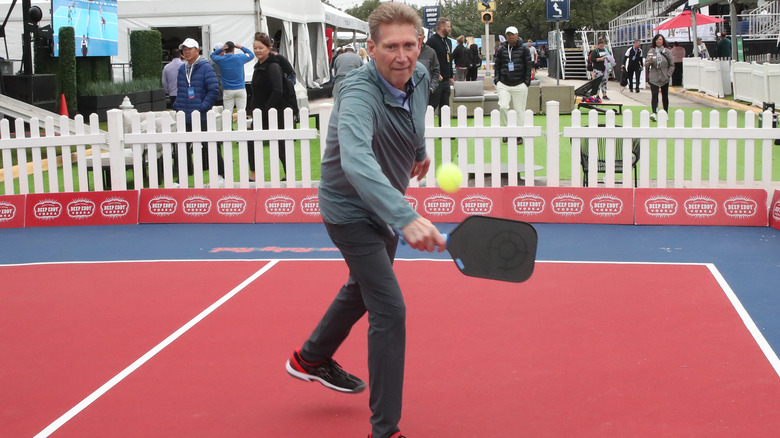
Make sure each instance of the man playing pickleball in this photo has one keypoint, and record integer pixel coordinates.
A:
(374, 146)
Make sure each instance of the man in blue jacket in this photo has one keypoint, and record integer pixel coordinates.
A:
(198, 89)
(231, 65)
(375, 145)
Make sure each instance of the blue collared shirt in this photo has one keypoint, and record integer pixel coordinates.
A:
(399, 95)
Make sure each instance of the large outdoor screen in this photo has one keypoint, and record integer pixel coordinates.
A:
(94, 22)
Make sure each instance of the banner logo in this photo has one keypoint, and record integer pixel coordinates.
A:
(47, 210)
(7, 211)
(700, 207)
(528, 204)
(439, 205)
(740, 207)
(310, 205)
(114, 207)
(196, 206)
(606, 205)
(411, 200)
(776, 211)
(80, 209)
(476, 204)
(661, 206)
(231, 206)
(162, 206)
(567, 205)
(279, 205)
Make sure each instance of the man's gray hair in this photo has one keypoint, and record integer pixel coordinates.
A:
(392, 13)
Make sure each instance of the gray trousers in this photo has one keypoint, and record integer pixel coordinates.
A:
(371, 287)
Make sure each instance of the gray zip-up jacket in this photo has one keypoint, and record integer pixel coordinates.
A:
(660, 66)
(372, 144)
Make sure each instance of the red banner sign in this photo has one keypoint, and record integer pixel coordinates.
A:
(197, 206)
(82, 208)
(287, 206)
(437, 206)
(743, 207)
(774, 211)
(581, 205)
(12, 211)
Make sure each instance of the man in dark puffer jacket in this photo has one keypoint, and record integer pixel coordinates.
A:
(513, 76)
(198, 89)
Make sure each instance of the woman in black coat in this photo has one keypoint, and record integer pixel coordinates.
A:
(268, 92)
(476, 63)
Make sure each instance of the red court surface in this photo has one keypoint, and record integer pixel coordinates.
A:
(581, 349)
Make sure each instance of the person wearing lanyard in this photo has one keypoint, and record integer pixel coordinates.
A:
(198, 89)
(513, 77)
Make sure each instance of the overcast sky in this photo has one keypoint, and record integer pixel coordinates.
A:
(345, 4)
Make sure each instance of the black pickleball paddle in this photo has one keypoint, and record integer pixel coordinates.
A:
(494, 248)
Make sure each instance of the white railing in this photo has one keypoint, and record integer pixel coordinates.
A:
(145, 143)
(751, 82)
(711, 75)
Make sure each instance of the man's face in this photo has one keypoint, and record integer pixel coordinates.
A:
(395, 53)
(445, 29)
(512, 38)
(190, 54)
(636, 44)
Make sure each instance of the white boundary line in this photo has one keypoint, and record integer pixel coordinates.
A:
(150, 354)
(746, 319)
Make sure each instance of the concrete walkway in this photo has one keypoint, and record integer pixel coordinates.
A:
(678, 97)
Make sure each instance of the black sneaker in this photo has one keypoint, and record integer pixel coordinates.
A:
(329, 373)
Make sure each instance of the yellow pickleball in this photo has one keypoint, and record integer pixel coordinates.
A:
(449, 177)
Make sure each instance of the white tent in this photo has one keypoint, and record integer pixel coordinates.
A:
(301, 24)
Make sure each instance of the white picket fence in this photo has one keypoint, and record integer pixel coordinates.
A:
(146, 142)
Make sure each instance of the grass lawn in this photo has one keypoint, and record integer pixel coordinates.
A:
(540, 148)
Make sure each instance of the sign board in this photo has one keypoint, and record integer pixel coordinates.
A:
(557, 10)
(431, 15)
(740, 50)
(486, 5)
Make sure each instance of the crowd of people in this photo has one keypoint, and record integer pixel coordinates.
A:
(194, 83)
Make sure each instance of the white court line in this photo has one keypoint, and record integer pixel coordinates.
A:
(150, 354)
(746, 319)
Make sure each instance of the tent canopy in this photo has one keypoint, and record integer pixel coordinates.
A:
(301, 22)
(342, 20)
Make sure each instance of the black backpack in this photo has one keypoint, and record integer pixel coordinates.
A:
(289, 79)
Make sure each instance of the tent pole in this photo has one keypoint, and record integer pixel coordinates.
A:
(694, 11)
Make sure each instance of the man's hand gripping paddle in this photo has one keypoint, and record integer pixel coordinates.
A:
(494, 248)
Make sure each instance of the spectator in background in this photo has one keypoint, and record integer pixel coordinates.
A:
(598, 57)
(170, 76)
(440, 42)
(660, 67)
(678, 53)
(231, 65)
(267, 93)
(462, 59)
(363, 54)
(724, 46)
(345, 63)
(703, 53)
(475, 63)
(632, 65)
(534, 58)
(198, 89)
(429, 59)
(513, 77)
